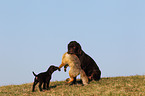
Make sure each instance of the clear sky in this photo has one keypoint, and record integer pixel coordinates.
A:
(34, 35)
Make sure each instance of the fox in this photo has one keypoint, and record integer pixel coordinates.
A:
(74, 63)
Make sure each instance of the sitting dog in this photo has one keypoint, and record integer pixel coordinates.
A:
(87, 63)
(73, 62)
(44, 78)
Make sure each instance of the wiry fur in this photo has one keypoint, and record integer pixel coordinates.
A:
(44, 78)
(73, 62)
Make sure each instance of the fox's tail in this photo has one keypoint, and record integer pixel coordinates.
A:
(84, 77)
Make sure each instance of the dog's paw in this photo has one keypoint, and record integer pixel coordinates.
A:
(65, 70)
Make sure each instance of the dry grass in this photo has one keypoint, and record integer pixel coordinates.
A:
(112, 86)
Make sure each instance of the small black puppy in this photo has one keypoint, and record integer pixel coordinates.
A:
(44, 78)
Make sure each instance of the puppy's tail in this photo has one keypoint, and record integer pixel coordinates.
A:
(34, 74)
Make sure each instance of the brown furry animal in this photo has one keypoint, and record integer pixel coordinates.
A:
(87, 63)
(44, 78)
(73, 62)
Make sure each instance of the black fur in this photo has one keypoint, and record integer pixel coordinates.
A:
(87, 63)
(44, 78)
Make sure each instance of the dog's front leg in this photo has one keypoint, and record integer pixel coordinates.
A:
(61, 65)
(65, 67)
(40, 84)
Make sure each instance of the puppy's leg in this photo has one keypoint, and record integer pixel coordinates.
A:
(44, 85)
(34, 84)
(40, 84)
(48, 84)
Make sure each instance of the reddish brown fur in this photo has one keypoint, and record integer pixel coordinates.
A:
(87, 63)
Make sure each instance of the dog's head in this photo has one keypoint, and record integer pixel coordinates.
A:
(53, 68)
(74, 48)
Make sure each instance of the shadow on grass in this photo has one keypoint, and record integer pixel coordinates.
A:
(53, 86)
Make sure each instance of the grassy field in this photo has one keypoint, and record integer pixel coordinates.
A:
(111, 86)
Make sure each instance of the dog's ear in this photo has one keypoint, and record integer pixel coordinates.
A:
(79, 49)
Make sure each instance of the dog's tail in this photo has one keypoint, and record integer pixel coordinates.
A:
(34, 74)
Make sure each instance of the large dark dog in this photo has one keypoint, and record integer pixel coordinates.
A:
(87, 63)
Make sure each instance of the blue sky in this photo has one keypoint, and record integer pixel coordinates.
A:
(34, 35)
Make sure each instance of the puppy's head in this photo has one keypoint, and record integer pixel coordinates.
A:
(53, 68)
(74, 48)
